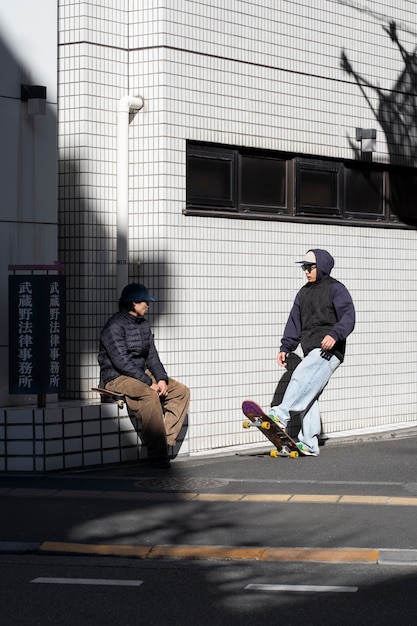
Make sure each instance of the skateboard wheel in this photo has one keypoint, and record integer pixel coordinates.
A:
(246, 424)
(294, 454)
(266, 425)
(120, 404)
(274, 454)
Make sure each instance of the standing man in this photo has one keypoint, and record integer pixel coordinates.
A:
(130, 364)
(320, 320)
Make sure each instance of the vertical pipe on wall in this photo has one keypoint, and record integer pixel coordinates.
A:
(126, 106)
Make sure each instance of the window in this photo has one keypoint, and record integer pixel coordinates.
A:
(235, 180)
(318, 185)
(210, 178)
(403, 194)
(265, 184)
(364, 191)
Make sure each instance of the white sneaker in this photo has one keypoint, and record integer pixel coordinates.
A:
(276, 419)
(304, 450)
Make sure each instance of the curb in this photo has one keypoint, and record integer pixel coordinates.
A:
(311, 555)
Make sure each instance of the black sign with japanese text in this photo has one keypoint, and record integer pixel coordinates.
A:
(37, 334)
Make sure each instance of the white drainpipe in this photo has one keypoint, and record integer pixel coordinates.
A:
(126, 105)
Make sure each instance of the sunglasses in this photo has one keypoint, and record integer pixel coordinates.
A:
(308, 267)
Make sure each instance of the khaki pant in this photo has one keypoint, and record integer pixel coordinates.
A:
(158, 419)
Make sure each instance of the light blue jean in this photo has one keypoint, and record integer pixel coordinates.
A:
(301, 396)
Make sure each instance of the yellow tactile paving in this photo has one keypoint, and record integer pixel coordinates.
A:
(266, 497)
(315, 498)
(403, 501)
(174, 496)
(364, 500)
(218, 497)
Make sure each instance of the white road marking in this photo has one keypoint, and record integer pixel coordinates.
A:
(303, 588)
(88, 581)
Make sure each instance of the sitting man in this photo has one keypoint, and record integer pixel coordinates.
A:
(130, 364)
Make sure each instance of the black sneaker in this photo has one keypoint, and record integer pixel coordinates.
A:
(160, 463)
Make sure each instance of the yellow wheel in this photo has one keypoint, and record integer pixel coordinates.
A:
(274, 453)
(294, 454)
(246, 424)
(266, 425)
(120, 404)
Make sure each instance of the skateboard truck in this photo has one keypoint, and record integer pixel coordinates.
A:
(258, 423)
(285, 451)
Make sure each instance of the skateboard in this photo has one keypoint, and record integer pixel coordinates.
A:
(284, 444)
(111, 395)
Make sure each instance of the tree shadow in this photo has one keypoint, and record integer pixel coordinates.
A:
(397, 116)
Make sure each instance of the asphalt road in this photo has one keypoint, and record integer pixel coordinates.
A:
(90, 591)
(229, 539)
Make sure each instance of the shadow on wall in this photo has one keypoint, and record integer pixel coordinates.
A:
(292, 361)
(27, 220)
(397, 115)
(86, 248)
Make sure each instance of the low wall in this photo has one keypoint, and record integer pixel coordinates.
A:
(66, 435)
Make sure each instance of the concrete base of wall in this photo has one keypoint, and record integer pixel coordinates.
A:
(67, 435)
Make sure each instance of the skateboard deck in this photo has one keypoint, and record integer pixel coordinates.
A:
(111, 395)
(284, 444)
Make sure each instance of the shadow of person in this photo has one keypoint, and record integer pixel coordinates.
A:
(174, 450)
(292, 361)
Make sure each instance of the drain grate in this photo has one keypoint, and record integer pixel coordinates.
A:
(179, 484)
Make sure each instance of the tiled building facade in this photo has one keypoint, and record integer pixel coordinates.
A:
(261, 81)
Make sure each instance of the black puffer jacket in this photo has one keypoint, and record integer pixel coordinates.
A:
(127, 348)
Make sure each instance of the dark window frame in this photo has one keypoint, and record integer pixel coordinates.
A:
(406, 173)
(291, 210)
(243, 203)
(365, 168)
(303, 165)
(220, 156)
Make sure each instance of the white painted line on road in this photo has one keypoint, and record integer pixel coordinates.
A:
(88, 581)
(302, 588)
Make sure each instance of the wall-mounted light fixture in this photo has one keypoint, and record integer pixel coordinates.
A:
(367, 137)
(35, 96)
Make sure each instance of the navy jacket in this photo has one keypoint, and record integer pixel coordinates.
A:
(321, 308)
(127, 348)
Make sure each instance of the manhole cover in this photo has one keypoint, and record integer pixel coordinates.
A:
(179, 484)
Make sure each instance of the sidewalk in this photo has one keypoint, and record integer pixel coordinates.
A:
(226, 506)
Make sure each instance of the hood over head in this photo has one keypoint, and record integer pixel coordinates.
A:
(321, 258)
(324, 261)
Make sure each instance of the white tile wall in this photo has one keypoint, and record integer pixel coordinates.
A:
(66, 436)
(261, 74)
